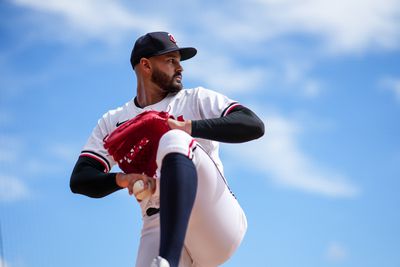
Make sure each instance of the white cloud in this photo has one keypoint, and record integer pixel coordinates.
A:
(312, 88)
(343, 25)
(55, 158)
(336, 252)
(224, 74)
(296, 74)
(391, 84)
(9, 149)
(102, 19)
(14, 82)
(64, 152)
(4, 263)
(12, 189)
(251, 28)
(39, 167)
(280, 157)
(52, 159)
(221, 73)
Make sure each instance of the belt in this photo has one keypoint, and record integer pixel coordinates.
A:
(152, 211)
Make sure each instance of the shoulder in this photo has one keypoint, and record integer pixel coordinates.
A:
(113, 117)
(116, 112)
(196, 92)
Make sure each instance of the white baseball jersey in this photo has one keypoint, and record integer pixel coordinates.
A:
(218, 223)
(187, 104)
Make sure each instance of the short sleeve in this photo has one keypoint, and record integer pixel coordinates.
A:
(212, 104)
(94, 147)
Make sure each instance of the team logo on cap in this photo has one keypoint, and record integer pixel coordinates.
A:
(172, 38)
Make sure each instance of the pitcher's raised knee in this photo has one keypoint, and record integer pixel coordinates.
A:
(174, 141)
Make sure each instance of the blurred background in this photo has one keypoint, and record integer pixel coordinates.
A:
(321, 188)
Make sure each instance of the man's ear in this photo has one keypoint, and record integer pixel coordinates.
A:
(145, 64)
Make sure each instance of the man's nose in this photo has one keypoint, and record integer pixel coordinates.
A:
(179, 67)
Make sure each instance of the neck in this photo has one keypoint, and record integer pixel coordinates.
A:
(149, 94)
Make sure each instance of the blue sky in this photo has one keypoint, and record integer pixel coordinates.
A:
(319, 189)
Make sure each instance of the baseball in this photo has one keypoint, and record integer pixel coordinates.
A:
(139, 191)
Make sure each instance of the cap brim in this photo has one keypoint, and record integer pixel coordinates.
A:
(186, 52)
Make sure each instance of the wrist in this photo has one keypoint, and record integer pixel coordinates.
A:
(119, 179)
(188, 127)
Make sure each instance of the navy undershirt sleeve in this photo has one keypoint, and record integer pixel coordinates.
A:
(88, 178)
(239, 125)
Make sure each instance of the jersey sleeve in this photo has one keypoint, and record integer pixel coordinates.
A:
(212, 104)
(94, 147)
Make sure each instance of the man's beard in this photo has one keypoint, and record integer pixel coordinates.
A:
(165, 82)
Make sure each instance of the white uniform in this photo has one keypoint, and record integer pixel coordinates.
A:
(217, 224)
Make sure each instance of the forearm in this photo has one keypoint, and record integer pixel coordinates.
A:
(240, 125)
(88, 179)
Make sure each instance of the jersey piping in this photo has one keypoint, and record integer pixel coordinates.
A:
(228, 109)
(98, 157)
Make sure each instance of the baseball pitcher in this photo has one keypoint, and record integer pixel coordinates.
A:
(166, 140)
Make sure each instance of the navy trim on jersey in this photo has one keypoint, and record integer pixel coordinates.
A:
(98, 157)
(136, 102)
(229, 108)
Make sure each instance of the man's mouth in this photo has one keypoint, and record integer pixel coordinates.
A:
(178, 77)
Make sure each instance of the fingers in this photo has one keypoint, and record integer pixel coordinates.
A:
(152, 184)
(133, 178)
(149, 183)
(128, 180)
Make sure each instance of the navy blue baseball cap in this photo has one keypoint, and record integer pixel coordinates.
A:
(158, 43)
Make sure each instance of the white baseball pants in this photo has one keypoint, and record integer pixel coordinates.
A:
(217, 223)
